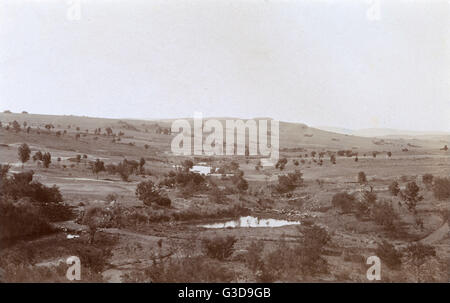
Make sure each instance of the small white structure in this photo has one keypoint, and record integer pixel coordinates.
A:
(201, 169)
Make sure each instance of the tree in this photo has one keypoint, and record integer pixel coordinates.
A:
(389, 255)
(242, 185)
(344, 201)
(97, 167)
(394, 189)
(445, 148)
(362, 179)
(427, 179)
(47, 159)
(289, 182)
(187, 165)
(49, 126)
(149, 193)
(411, 195)
(417, 254)
(374, 154)
(109, 131)
(281, 163)
(24, 153)
(16, 126)
(124, 170)
(141, 164)
(389, 154)
(441, 188)
(95, 217)
(333, 159)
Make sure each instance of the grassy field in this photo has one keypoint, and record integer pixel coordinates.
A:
(157, 243)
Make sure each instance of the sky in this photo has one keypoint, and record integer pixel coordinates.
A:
(350, 64)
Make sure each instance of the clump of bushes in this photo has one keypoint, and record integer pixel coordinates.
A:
(441, 188)
(220, 248)
(344, 201)
(389, 255)
(149, 193)
(289, 182)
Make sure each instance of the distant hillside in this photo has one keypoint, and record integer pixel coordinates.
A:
(292, 135)
(384, 132)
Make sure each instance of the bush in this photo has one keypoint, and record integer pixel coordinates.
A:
(394, 189)
(411, 195)
(253, 258)
(383, 214)
(149, 193)
(17, 221)
(389, 255)
(289, 182)
(95, 218)
(427, 179)
(362, 177)
(186, 270)
(441, 188)
(220, 248)
(344, 201)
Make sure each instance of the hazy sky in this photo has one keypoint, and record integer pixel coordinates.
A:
(331, 63)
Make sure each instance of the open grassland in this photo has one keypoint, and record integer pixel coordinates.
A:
(156, 242)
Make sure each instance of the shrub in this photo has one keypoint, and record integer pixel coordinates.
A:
(289, 182)
(18, 221)
(220, 248)
(411, 195)
(253, 258)
(441, 188)
(185, 270)
(389, 255)
(427, 179)
(344, 201)
(24, 153)
(362, 177)
(149, 193)
(383, 214)
(95, 217)
(394, 189)
(46, 159)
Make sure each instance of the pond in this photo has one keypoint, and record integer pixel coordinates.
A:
(250, 221)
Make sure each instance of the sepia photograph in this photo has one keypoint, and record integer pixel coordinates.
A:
(250, 142)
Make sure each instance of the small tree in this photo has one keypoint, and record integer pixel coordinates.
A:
(389, 255)
(109, 131)
(187, 165)
(362, 179)
(333, 159)
(124, 170)
(411, 195)
(242, 185)
(46, 159)
(149, 193)
(427, 179)
(417, 254)
(97, 167)
(141, 165)
(220, 248)
(16, 126)
(344, 201)
(95, 218)
(24, 153)
(389, 154)
(441, 188)
(394, 189)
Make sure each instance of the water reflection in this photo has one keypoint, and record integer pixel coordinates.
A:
(250, 221)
